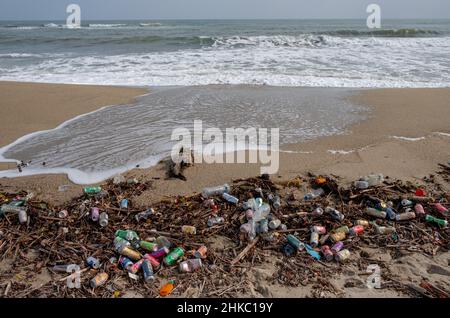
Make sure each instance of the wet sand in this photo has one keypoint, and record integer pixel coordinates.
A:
(367, 147)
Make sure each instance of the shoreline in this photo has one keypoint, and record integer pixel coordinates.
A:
(367, 146)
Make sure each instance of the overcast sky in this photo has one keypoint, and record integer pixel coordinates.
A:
(220, 9)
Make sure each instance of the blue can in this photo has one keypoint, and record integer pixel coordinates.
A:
(124, 204)
(125, 262)
(92, 262)
(147, 270)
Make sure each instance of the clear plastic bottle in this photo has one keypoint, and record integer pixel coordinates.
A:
(218, 190)
(215, 221)
(229, 198)
(314, 194)
(335, 214)
(190, 265)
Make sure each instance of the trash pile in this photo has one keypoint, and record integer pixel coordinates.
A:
(170, 247)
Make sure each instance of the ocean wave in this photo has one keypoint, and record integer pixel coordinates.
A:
(386, 33)
(102, 25)
(19, 55)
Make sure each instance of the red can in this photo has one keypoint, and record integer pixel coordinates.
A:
(356, 230)
(327, 253)
(319, 229)
(153, 261)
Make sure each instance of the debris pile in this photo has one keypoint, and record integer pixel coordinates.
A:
(169, 248)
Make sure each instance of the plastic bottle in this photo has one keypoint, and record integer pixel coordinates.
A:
(215, 221)
(173, 256)
(118, 242)
(92, 190)
(190, 265)
(23, 216)
(313, 194)
(6, 208)
(93, 262)
(385, 229)
(103, 220)
(143, 216)
(167, 289)
(443, 223)
(275, 200)
(274, 224)
(374, 179)
(163, 241)
(261, 212)
(99, 280)
(229, 198)
(208, 192)
(361, 184)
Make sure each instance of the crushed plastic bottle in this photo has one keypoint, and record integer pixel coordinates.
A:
(335, 214)
(215, 221)
(218, 190)
(314, 194)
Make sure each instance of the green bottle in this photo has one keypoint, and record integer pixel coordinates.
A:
(92, 190)
(173, 256)
(148, 246)
(127, 235)
(295, 242)
(432, 219)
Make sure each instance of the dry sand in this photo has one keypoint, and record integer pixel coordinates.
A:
(369, 147)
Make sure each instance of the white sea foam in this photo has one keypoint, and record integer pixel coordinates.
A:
(310, 61)
(408, 138)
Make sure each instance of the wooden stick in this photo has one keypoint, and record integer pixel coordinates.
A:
(244, 251)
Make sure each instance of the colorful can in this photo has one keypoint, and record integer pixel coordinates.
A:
(127, 235)
(173, 256)
(343, 229)
(95, 214)
(103, 220)
(147, 270)
(335, 214)
(364, 223)
(160, 253)
(295, 242)
(327, 253)
(188, 229)
(153, 261)
(215, 221)
(92, 190)
(356, 230)
(385, 230)
(201, 252)
(63, 214)
(319, 229)
(136, 266)
(376, 213)
(405, 216)
(190, 265)
(336, 237)
(342, 256)
(338, 246)
(317, 212)
(390, 213)
(99, 280)
(93, 262)
(118, 242)
(314, 239)
(418, 208)
(148, 246)
(130, 253)
(125, 262)
(441, 222)
(440, 208)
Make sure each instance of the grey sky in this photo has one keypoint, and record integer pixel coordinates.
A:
(220, 9)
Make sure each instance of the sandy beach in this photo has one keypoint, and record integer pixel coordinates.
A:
(406, 136)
